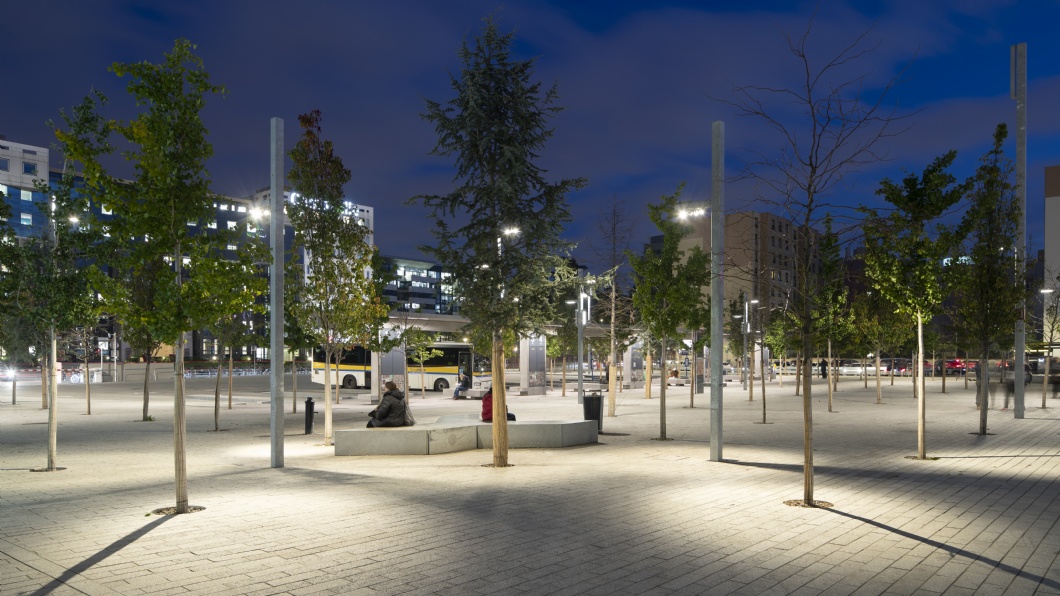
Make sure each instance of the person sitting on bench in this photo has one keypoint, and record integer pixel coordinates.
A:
(487, 407)
(463, 383)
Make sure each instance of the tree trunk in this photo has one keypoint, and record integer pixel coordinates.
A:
(763, 392)
(649, 372)
(88, 386)
(44, 383)
(798, 373)
(807, 421)
(14, 385)
(921, 409)
(865, 371)
(879, 380)
(1045, 379)
(500, 405)
(328, 353)
(230, 378)
(662, 395)
(563, 380)
(834, 374)
(217, 397)
(984, 391)
(294, 385)
(180, 423)
(423, 384)
(612, 371)
(147, 391)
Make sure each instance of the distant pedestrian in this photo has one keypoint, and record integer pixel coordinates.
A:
(824, 368)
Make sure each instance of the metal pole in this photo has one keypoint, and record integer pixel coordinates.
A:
(581, 334)
(717, 295)
(1019, 93)
(276, 294)
(746, 330)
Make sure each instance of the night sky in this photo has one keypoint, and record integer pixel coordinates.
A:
(638, 81)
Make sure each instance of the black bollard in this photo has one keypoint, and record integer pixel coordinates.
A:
(309, 415)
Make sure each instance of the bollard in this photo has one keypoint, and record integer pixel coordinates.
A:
(309, 415)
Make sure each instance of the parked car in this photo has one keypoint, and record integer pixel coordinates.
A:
(950, 367)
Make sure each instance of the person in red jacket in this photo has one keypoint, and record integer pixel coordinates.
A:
(487, 407)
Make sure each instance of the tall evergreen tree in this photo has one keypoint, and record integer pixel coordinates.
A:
(499, 230)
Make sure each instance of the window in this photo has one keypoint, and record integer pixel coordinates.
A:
(232, 247)
(28, 152)
(3, 189)
(5, 164)
(104, 210)
(231, 225)
(27, 219)
(192, 223)
(27, 195)
(212, 225)
(29, 168)
(241, 209)
(251, 229)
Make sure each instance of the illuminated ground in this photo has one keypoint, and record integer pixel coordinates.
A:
(632, 515)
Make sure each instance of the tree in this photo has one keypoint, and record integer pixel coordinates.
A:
(668, 285)
(419, 349)
(339, 303)
(51, 271)
(236, 289)
(989, 298)
(1050, 328)
(903, 256)
(615, 230)
(499, 230)
(831, 304)
(838, 129)
(157, 233)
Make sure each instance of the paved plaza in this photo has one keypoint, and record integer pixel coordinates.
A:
(630, 515)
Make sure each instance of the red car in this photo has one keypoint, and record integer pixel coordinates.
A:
(951, 367)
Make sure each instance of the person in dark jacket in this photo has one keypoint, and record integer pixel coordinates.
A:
(824, 368)
(391, 410)
(487, 407)
(462, 385)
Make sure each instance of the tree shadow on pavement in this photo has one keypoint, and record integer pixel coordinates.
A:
(953, 550)
(107, 551)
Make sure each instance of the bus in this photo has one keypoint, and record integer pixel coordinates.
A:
(439, 373)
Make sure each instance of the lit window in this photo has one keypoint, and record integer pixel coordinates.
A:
(251, 229)
(27, 219)
(231, 225)
(212, 225)
(29, 169)
(232, 247)
(27, 195)
(192, 223)
(5, 164)
(104, 210)
(241, 209)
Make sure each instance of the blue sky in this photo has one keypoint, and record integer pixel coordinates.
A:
(636, 78)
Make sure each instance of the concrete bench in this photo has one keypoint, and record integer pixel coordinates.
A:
(474, 393)
(462, 432)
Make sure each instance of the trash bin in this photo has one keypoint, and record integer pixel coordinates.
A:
(309, 415)
(593, 406)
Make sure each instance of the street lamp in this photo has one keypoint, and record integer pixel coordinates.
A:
(746, 332)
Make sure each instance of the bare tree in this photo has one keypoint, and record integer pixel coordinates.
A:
(838, 128)
(615, 230)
